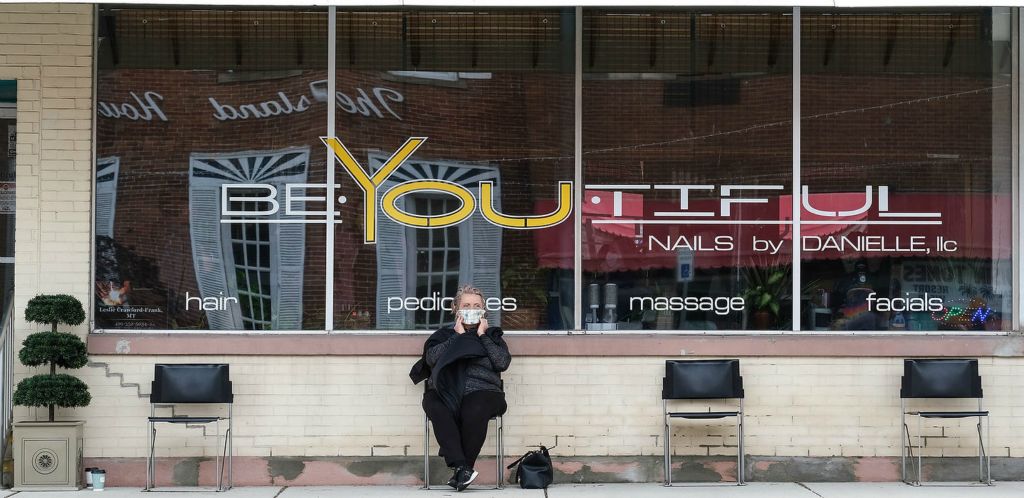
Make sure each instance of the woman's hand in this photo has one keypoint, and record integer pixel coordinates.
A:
(482, 328)
(459, 329)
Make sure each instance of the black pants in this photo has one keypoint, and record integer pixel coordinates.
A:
(461, 437)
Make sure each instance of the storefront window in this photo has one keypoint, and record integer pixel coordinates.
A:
(906, 164)
(200, 114)
(686, 159)
(453, 158)
(491, 95)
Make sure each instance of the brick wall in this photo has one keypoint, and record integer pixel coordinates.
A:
(48, 49)
(366, 406)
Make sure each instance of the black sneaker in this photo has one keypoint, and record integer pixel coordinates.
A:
(464, 476)
(454, 482)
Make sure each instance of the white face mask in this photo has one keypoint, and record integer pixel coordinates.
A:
(471, 317)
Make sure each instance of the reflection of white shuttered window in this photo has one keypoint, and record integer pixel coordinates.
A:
(249, 246)
(435, 255)
(259, 264)
(107, 169)
(476, 251)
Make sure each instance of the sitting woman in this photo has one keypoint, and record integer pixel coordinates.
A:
(464, 388)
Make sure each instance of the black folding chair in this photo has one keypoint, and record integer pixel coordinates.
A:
(499, 450)
(191, 383)
(941, 378)
(697, 380)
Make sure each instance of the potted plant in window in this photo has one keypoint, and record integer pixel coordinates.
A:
(48, 454)
(768, 285)
(527, 282)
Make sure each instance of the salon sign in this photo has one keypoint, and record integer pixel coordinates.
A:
(295, 195)
(289, 198)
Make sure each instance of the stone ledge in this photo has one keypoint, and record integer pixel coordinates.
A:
(665, 345)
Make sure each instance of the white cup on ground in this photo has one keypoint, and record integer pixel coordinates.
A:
(99, 479)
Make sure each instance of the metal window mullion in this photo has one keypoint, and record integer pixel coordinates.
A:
(1016, 265)
(332, 21)
(795, 305)
(92, 170)
(578, 173)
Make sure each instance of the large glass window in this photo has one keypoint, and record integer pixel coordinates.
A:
(491, 94)
(906, 165)
(203, 114)
(454, 157)
(686, 160)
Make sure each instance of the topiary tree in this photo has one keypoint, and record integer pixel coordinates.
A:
(58, 349)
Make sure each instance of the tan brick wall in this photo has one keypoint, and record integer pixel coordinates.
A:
(47, 48)
(362, 406)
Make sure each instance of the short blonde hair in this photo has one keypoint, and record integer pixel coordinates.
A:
(463, 290)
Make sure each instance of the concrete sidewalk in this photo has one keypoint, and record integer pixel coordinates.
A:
(647, 490)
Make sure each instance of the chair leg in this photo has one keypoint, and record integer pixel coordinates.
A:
(497, 452)
(426, 452)
(984, 451)
(218, 464)
(903, 440)
(231, 448)
(988, 451)
(152, 461)
(501, 458)
(981, 454)
(501, 453)
(224, 459)
(741, 463)
(920, 451)
(151, 439)
(668, 446)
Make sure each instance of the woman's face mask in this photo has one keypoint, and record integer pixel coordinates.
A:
(471, 316)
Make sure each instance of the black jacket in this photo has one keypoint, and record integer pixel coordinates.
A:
(448, 376)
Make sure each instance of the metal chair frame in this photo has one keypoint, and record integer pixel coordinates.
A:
(740, 459)
(499, 458)
(225, 460)
(984, 458)
(222, 460)
(708, 415)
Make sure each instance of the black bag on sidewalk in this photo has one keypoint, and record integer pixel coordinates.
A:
(534, 469)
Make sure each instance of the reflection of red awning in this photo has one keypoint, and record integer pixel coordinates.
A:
(628, 246)
(600, 206)
(979, 223)
(834, 202)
